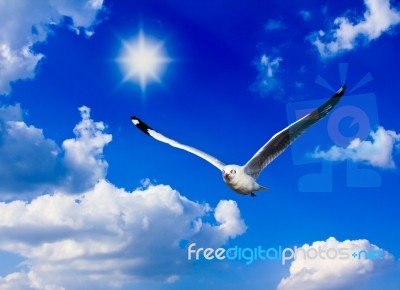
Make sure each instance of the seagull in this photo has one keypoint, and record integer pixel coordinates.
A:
(242, 179)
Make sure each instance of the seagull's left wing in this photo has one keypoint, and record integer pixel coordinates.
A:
(281, 140)
(153, 133)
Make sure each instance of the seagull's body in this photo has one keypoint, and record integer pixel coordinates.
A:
(236, 178)
(242, 179)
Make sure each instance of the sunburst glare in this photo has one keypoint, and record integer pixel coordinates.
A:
(143, 60)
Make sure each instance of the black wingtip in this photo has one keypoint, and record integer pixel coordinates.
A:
(341, 91)
(141, 125)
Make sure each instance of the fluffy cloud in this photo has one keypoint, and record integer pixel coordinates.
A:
(27, 158)
(84, 154)
(230, 225)
(318, 273)
(378, 18)
(87, 233)
(108, 236)
(377, 151)
(11, 113)
(24, 23)
(267, 80)
(30, 162)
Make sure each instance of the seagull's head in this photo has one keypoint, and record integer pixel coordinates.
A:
(229, 172)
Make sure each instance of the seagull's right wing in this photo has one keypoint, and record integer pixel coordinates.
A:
(153, 133)
(281, 140)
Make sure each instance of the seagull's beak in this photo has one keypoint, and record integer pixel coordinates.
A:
(226, 175)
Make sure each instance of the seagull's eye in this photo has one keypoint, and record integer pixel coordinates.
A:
(233, 171)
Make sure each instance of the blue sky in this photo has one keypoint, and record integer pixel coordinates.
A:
(89, 202)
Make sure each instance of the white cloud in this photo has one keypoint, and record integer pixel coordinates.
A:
(306, 15)
(377, 151)
(230, 225)
(84, 154)
(378, 18)
(83, 13)
(24, 23)
(274, 24)
(267, 80)
(103, 236)
(11, 113)
(14, 281)
(32, 163)
(87, 233)
(27, 158)
(108, 236)
(319, 273)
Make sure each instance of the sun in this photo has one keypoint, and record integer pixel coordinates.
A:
(143, 60)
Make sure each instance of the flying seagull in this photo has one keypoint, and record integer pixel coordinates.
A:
(242, 179)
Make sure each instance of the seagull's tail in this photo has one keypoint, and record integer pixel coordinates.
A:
(261, 188)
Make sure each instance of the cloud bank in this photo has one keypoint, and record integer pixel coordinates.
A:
(377, 150)
(318, 274)
(30, 163)
(24, 23)
(79, 231)
(379, 17)
(108, 236)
